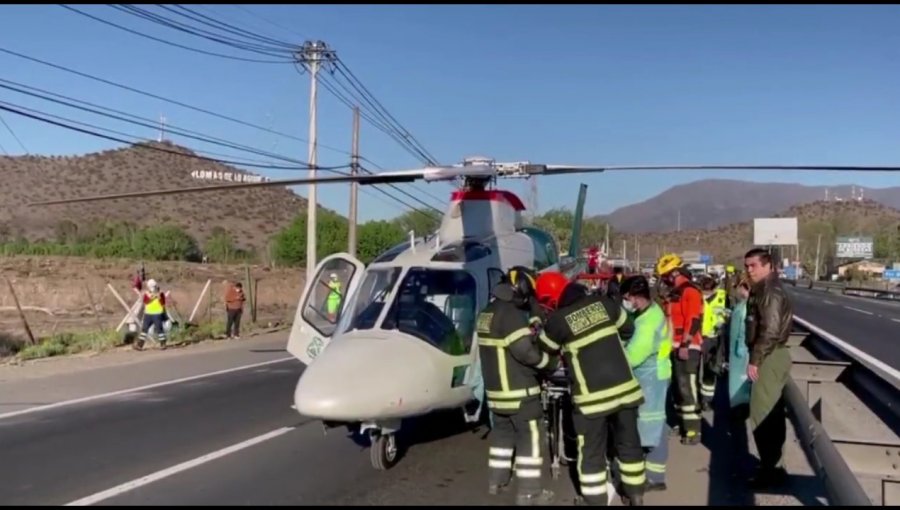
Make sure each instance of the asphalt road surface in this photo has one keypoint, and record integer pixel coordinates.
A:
(232, 438)
(867, 324)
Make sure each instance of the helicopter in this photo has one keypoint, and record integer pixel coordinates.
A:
(401, 341)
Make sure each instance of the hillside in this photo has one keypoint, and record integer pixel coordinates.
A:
(831, 219)
(251, 216)
(713, 203)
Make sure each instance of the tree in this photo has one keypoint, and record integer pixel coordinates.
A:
(374, 237)
(166, 242)
(220, 245)
(422, 221)
(331, 237)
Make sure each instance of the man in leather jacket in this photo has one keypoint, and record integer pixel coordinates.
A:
(768, 326)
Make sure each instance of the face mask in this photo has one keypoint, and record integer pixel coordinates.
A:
(628, 306)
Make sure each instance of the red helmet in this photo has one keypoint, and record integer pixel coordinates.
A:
(549, 288)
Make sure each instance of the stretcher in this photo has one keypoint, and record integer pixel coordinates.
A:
(556, 403)
(595, 282)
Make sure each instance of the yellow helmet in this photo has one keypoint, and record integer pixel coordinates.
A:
(729, 269)
(668, 263)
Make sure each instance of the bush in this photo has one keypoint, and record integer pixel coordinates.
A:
(111, 240)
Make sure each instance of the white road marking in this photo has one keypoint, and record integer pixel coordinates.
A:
(828, 302)
(849, 349)
(65, 403)
(896, 320)
(159, 475)
(858, 310)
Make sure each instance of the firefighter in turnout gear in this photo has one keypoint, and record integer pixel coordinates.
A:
(586, 328)
(512, 364)
(714, 317)
(684, 309)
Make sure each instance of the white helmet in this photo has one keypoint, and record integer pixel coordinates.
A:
(151, 284)
(333, 276)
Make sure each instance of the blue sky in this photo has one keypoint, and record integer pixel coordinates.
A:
(555, 84)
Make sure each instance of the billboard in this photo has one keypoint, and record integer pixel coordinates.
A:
(775, 231)
(855, 248)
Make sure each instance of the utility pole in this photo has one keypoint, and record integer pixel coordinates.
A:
(162, 128)
(637, 257)
(606, 247)
(354, 186)
(818, 250)
(313, 55)
(625, 250)
(679, 220)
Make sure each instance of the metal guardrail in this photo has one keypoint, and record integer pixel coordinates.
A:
(843, 288)
(826, 367)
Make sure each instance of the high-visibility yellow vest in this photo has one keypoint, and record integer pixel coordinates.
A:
(713, 313)
(155, 306)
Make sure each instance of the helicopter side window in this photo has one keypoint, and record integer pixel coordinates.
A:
(366, 304)
(495, 276)
(545, 249)
(326, 299)
(437, 306)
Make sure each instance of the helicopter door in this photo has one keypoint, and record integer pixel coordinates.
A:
(319, 310)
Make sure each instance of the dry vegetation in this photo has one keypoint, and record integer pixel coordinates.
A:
(729, 243)
(251, 216)
(64, 287)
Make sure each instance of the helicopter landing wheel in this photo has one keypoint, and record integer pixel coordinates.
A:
(384, 451)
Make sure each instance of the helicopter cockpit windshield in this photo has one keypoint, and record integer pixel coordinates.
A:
(437, 306)
(367, 303)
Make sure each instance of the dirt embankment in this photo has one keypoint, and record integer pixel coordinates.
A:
(58, 292)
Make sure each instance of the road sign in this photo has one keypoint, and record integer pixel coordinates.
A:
(855, 248)
(790, 272)
(705, 259)
(892, 274)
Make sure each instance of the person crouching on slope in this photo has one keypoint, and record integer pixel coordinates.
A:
(648, 353)
(154, 315)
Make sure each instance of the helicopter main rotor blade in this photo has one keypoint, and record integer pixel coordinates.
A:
(428, 174)
(574, 169)
(441, 173)
(361, 179)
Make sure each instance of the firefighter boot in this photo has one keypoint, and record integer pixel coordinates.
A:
(543, 498)
(636, 500)
(494, 489)
(692, 438)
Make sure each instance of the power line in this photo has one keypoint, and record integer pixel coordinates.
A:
(233, 29)
(13, 133)
(382, 124)
(420, 190)
(343, 69)
(135, 32)
(253, 47)
(346, 102)
(18, 111)
(165, 99)
(267, 20)
(148, 123)
(406, 204)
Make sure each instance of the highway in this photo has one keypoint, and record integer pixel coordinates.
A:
(231, 438)
(869, 325)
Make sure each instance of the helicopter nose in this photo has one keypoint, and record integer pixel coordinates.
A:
(356, 379)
